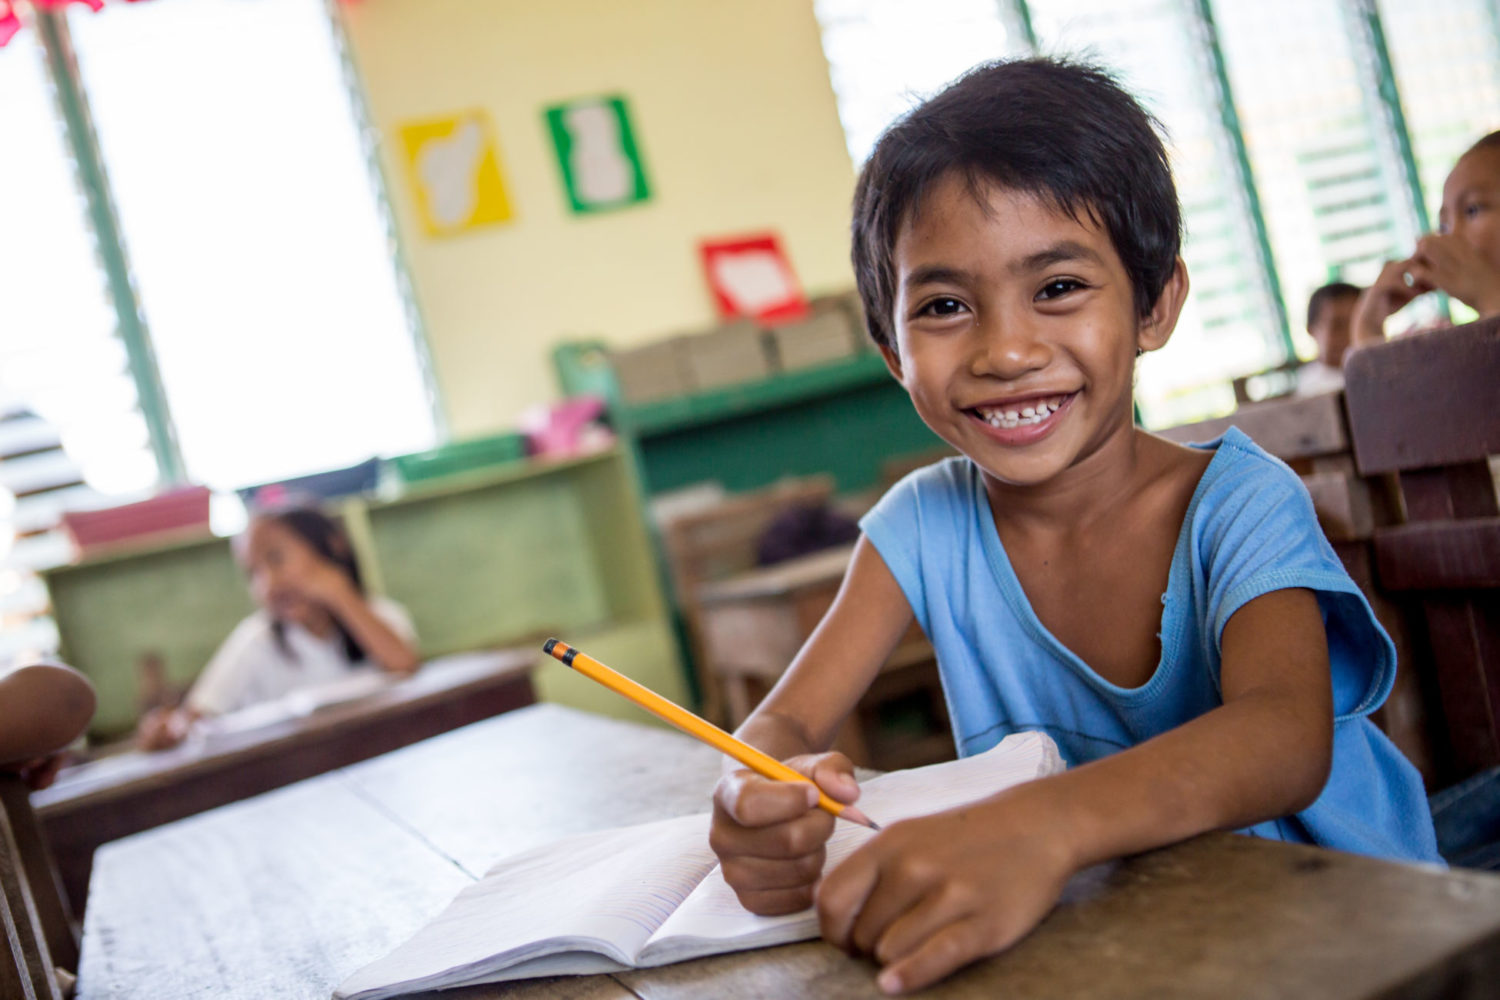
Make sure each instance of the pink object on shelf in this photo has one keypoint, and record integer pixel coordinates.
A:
(571, 427)
(175, 512)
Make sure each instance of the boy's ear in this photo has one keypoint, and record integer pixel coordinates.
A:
(892, 360)
(1156, 326)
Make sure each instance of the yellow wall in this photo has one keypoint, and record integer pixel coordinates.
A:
(735, 117)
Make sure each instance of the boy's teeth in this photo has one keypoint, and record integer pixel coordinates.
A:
(1033, 413)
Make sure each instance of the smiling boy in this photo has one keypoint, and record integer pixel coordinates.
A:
(1171, 616)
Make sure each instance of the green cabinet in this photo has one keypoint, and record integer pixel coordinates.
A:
(847, 418)
(494, 557)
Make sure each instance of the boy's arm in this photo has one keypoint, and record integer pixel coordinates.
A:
(838, 662)
(930, 895)
(769, 835)
(43, 708)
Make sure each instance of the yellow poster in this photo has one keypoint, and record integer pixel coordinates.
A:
(454, 169)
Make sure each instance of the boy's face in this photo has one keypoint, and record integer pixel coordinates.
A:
(1016, 330)
(1331, 329)
(1471, 203)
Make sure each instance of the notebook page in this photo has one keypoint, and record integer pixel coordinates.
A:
(712, 917)
(601, 892)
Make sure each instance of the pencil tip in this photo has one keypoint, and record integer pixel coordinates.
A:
(855, 816)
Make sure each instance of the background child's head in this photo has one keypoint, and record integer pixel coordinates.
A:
(1061, 131)
(1471, 199)
(280, 549)
(1329, 310)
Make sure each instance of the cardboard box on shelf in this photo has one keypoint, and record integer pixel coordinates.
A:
(651, 372)
(827, 335)
(730, 354)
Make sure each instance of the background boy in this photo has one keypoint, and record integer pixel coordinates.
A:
(1171, 616)
(1329, 311)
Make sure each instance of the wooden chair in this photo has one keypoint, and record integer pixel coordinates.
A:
(716, 542)
(1425, 408)
(39, 935)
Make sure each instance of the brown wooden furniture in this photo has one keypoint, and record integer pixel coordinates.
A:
(37, 933)
(113, 797)
(285, 895)
(1311, 434)
(719, 541)
(1427, 408)
(754, 623)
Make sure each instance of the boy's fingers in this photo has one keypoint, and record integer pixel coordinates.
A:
(834, 773)
(775, 902)
(950, 948)
(761, 874)
(842, 894)
(751, 800)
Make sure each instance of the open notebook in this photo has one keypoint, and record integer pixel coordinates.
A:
(651, 894)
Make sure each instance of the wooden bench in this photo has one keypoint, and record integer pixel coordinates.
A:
(1427, 409)
(38, 932)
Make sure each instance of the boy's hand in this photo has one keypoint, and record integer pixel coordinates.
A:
(1449, 263)
(39, 772)
(1399, 282)
(769, 835)
(928, 896)
(162, 729)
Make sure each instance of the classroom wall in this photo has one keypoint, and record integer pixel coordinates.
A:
(736, 120)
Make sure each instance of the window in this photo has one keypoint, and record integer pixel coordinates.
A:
(1336, 200)
(262, 262)
(886, 56)
(243, 252)
(1288, 146)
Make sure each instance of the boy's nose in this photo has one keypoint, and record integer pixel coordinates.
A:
(1007, 349)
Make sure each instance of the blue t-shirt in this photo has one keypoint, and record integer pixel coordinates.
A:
(1249, 530)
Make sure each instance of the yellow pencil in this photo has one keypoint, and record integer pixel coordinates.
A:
(760, 763)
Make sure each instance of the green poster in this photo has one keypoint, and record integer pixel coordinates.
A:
(601, 164)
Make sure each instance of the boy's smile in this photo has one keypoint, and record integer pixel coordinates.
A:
(1016, 330)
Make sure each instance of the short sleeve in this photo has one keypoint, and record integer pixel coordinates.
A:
(1260, 535)
(915, 514)
(227, 683)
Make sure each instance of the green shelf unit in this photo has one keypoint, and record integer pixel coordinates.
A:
(493, 557)
(174, 603)
(459, 457)
(846, 418)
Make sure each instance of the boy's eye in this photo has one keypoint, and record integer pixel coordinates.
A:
(1472, 209)
(942, 306)
(1057, 287)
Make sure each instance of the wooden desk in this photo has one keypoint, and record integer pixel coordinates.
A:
(755, 622)
(116, 796)
(284, 895)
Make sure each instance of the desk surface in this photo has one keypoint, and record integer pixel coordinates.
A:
(266, 747)
(286, 894)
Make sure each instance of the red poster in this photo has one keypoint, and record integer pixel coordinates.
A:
(751, 276)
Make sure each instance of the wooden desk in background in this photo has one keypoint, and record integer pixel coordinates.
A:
(113, 797)
(285, 895)
(755, 622)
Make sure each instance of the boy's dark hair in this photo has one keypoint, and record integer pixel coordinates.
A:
(327, 537)
(1491, 141)
(1061, 130)
(1330, 292)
